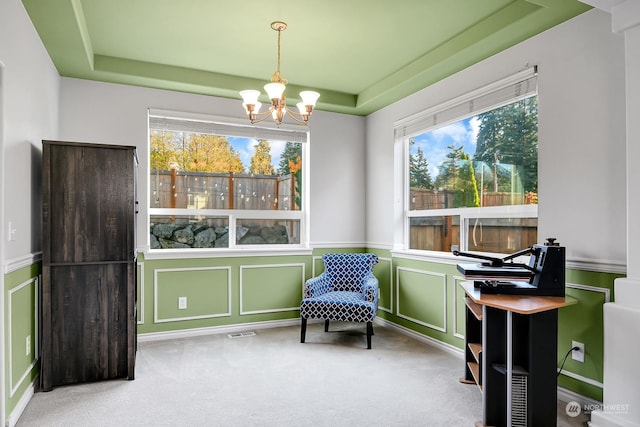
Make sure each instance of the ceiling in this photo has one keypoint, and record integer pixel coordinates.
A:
(361, 55)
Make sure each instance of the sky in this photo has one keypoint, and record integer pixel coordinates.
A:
(246, 148)
(434, 143)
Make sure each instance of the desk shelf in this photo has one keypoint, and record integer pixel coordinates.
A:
(475, 309)
(473, 344)
(476, 350)
(522, 329)
(474, 368)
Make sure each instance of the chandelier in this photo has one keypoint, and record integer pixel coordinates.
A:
(275, 91)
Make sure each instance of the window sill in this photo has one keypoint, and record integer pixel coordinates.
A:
(441, 257)
(269, 251)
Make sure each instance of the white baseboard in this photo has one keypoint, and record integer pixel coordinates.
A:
(12, 420)
(571, 396)
(186, 333)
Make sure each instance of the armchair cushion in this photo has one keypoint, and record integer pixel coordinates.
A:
(339, 305)
(348, 271)
(346, 291)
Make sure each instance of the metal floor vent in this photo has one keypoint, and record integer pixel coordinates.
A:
(519, 400)
(242, 334)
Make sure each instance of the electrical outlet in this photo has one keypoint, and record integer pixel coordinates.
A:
(28, 345)
(182, 303)
(577, 355)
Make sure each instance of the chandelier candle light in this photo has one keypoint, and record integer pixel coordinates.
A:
(275, 91)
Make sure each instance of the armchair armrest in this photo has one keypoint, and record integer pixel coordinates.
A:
(316, 286)
(370, 289)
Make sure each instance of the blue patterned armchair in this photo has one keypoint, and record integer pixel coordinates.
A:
(346, 291)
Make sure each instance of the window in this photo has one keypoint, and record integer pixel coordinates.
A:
(214, 184)
(471, 171)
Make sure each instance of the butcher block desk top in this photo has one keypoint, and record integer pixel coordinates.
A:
(523, 304)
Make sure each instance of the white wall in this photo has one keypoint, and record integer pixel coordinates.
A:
(632, 63)
(30, 87)
(581, 137)
(117, 114)
(337, 180)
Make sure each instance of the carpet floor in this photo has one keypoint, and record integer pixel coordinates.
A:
(271, 379)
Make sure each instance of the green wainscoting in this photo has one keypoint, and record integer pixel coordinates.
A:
(268, 288)
(421, 296)
(21, 333)
(424, 298)
(206, 292)
(384, 273)
(459, 301)
(220, 291)
(140, 290)
(583, 322)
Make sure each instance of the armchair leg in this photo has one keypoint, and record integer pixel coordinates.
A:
(326, 325)
(303, 329)
(369, 333)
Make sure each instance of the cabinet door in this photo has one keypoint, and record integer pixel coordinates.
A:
(90, 204)
(90, 322)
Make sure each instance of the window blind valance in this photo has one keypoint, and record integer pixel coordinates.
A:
(518, 86)
(178, 124)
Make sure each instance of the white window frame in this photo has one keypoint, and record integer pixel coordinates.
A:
(503, 92)
(233, 215)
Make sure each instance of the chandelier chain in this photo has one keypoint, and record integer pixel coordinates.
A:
(277, 76)
(275, 91)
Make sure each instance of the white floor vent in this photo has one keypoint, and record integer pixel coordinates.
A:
(242, 334)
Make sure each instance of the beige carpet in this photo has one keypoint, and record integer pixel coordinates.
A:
(270, 379)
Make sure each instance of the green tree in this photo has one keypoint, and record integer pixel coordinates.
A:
(456, 175)
(419, 176)
(508, 143)
(261, 159)
(291, 163)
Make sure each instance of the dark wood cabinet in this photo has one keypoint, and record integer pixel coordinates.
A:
(88, 302)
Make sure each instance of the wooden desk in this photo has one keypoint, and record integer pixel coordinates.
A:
(516, 356)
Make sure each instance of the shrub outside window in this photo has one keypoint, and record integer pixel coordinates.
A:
(220, 185)
(472, 178)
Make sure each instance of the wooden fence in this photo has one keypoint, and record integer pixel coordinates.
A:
(497, 235)
(205, 190)
(434, 233)
(420, 199)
